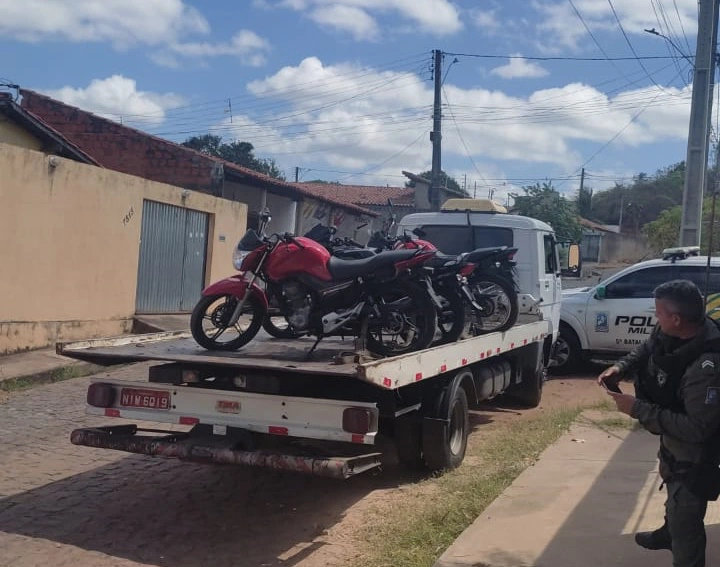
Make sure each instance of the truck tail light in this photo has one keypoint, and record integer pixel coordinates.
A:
(358, 420)
(101, 395)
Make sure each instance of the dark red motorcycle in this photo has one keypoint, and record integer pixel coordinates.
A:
(386, 297)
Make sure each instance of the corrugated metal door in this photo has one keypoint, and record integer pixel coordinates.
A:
(590, 247)
(171, 271)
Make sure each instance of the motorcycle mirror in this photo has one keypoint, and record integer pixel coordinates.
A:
(419, 232)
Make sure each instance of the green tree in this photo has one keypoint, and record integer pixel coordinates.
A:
(643, 200)
(584, 202)
(663, 232)
(445, 181)
(545, 203)
(240, 153)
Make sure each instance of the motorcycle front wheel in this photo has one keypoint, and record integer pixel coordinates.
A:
(498, 301)
(405, 322)
(209, 322)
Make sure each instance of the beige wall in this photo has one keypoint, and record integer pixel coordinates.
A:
(69, 246)
(11, 133)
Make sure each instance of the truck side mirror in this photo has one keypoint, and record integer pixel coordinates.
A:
(600, 292)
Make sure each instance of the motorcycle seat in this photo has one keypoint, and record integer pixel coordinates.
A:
(342, 269)
(480, 254)
(353, 253)
(442, 261)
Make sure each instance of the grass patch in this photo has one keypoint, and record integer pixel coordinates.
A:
(610, 423)
(57, 375)
(417, 531)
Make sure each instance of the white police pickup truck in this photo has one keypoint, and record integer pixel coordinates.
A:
(609, 319)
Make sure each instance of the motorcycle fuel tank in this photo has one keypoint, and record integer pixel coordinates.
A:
(289, 259)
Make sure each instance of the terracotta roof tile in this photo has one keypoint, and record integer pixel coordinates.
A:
(362, 194)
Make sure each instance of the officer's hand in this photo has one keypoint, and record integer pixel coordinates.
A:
(624, 402)
(610, 375)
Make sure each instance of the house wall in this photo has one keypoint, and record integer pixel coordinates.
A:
(623, 248)
(312, 212)
(11, 133)
(69, 246)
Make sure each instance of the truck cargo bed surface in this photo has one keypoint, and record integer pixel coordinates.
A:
(290, 356)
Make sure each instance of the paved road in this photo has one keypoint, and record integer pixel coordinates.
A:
(68, 506)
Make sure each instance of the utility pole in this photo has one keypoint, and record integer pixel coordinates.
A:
(699, 131)
(475, 190)
(436, 134)
(582, 180)
(297, 173)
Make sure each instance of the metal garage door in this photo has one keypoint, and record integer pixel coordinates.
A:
(171, 271)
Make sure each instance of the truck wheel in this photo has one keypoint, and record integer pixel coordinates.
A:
(444, 440)
(568, 353)
(528, 393)
(408, 443)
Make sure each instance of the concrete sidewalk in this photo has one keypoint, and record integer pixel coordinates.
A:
(580, 504)
(40, 366)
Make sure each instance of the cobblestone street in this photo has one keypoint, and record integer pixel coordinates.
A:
(63, 505)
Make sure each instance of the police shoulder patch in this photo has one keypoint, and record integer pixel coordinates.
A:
(712, 398)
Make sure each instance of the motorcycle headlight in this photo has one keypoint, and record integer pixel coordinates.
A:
(238, 257)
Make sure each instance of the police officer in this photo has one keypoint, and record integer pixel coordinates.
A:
(677, 386)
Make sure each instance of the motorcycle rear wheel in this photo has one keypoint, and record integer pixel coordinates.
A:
(278, 327)
(452, 319)
(500, 302)
(208, 322)
(408, 314)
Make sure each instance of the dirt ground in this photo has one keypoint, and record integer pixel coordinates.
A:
(75, 506)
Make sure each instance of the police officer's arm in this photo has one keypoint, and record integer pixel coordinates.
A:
(635, 359)
(700, 394)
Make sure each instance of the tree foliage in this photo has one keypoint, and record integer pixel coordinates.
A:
(545, 203)
(664, 231)
(584, 202)
(445, 181)
(642, 201)
(241, 153)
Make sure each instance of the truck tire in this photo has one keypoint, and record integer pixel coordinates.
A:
(528, 393)
(568, 353)
(444, 439)
(408, 443)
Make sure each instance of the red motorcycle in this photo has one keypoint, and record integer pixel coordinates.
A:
(385, 299)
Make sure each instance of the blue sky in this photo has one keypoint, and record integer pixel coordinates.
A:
(343, 89)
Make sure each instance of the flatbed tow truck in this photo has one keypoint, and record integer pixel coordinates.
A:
(268, 406)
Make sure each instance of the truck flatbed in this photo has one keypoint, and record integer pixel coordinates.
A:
(290, 356)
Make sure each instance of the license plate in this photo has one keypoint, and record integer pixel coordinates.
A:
(149, 399)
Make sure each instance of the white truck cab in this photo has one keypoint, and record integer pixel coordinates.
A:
(463, 225)
(611, 318)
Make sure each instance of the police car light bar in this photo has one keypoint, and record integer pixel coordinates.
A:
(680, 252)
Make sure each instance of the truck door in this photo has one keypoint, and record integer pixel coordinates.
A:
(550, 285)
(621, 314)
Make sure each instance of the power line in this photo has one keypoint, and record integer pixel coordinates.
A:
(557, 58)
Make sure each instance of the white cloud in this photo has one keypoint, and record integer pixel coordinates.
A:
(349, 19)
(118, 96)
(121, 22)
(561, 27)
(245, 44)
(352, 119)
(519, 68)
(165, 24)
(486, 20)
(436, 17)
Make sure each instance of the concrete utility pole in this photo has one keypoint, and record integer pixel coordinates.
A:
(699, 132)
(436, 135)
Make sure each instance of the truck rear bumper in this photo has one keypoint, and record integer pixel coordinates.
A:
(205, 449)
